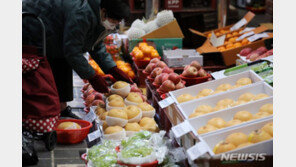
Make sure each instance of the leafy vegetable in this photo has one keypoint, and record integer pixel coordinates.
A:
(103, 155)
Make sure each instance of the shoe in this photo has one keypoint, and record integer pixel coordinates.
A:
(68, 113)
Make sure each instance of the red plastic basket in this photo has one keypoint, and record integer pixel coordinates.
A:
(142, 63)
(197, 80)
(72, 136)
(160, 92)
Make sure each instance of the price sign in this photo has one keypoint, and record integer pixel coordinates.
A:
(257, 36)
(91, 116)
(94, 135)
(239, 24)
(181, 129)
(166, 102)
(197, 150)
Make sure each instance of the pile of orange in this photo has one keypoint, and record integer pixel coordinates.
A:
(233, 44)
(227, 32)
(126, 68)
(144, 52)
(96, 67)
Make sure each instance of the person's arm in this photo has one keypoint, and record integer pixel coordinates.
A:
(107, 64)
(75, 29)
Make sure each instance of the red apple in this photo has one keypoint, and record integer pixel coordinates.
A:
(175, 78)
(134, 88)
(100, 103)
(89, 99)
(195, 64)
(202, 73)
(98, 96)
(154, 60)
(165, 77)
(84, 88)
(167, 70)
(186, 67)
(180, 85)
(167, 86)
(262, 49)
(155, 72)
(158, 78)
(190, 72)
(88, 92)
(245, 51)
(150, 67)
(161, 64)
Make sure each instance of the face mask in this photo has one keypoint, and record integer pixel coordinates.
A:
(108, 25)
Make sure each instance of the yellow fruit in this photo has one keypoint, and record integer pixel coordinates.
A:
(228, 35)
(100, 110)
(268, 108)
(132, 127)
(185, 97)
(114, 96)
(134, 97)
(223, 147)
(237, 44)
(206, 92)
(244, 145)
(259, 136)
(260, 96)
(148, 124)
(268, 128)
(244, 81)
(237, 138)
(232, 40)
(117, 114)
(113, 129)
(103, 116)
(235, 33)
(68, 125)
(224, 87)
(145, 107)
(233, 122)
(116, 103)
(261, 115)
(239, 102)
(204, 109)
(196, 114)
(246, 97)
(243, 116)
(119, 84)
(217, 122)
(132, 111)
(218, 108)
(105, 125)
(245, 41)
(206, 129)
(225, 102)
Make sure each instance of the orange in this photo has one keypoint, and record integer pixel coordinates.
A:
(245, 42)
(232, 40)
(229, 45)
(131, 74)
(125, 69)
(147, 51)
(227, 31)
(135, 49)
(139, 55)
(238, 44)
(221, 49)
(154, 54)
(228, 35)
(119, 62)
(235, 38)
(222, 31)
(235, 33)
(240, 31)
(209, 35)
(147, 58)
(217, 34)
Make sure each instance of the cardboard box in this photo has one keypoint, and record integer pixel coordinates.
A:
(171, 30)
(181, 57)
(159, 43)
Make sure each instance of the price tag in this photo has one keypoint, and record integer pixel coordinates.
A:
(166, 102)
(239, 24)
(245, 35)
(181, 129)
(247, 29)
(197, 150)
(91, 116)
(257, 36)
(94, 135)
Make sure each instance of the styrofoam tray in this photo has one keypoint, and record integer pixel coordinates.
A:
(244, 59)
(261, 147)
(188, 107)
(195, 89)
(228, 114)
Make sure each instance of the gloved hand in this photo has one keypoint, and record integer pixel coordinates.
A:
(120, 75)
(99, 84)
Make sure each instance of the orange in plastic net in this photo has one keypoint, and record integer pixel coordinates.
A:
(96, 67)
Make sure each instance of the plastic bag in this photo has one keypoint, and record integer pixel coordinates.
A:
(29, 154)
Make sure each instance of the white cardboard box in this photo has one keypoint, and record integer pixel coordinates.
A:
(194, 90)
(181, 57)
(188, 107)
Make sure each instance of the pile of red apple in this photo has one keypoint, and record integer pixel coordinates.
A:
(194, 70)
(164, 77)
(257, 54)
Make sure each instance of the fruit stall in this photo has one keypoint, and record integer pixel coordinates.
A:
(187, 106)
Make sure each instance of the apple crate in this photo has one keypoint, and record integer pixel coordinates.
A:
(140, 75)
(187, 108)
(194, 90)
(228, 114)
